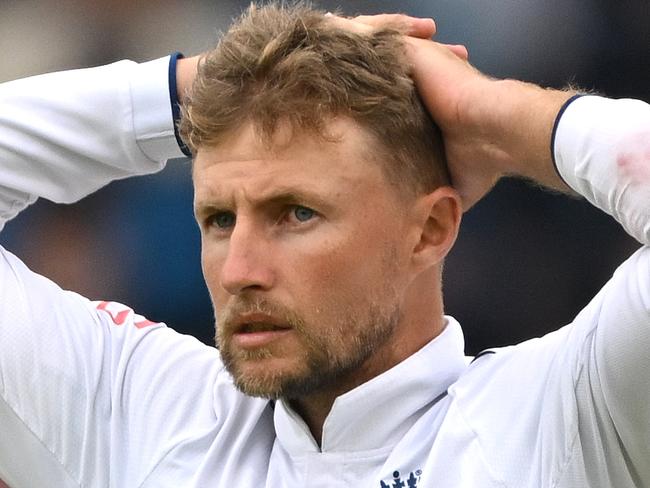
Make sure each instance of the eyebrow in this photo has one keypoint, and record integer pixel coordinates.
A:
(282, 196)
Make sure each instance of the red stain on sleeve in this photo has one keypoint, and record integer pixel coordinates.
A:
(633, 160)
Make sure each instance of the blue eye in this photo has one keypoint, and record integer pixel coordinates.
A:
(303, 214)
(223, 220)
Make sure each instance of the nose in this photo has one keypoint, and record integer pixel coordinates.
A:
(247, 265)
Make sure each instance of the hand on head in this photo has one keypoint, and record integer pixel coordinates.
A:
(490, 127)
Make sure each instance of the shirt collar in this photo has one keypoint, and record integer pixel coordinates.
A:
(379, 412)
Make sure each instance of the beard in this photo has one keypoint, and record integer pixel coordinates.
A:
(331, 349)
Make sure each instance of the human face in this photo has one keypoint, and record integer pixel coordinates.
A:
(301, 253)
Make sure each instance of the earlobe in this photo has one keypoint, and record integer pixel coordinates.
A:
(439, 215)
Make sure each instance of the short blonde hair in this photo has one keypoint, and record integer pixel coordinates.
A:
(281, 63)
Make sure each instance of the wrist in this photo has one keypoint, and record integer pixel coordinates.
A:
(524, 124)
(185, 73)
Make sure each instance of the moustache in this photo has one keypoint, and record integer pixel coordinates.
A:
(233, 314)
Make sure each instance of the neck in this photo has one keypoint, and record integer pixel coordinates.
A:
(421, 322)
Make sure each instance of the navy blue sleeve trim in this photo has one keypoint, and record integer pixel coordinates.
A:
(483, 353)
(555, 126)
(175, 103)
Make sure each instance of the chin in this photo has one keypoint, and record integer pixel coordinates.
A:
(265, 377)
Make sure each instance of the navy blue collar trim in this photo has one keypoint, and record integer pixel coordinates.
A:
(483, 353)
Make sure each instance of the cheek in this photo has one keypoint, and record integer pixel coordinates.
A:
(345, 273)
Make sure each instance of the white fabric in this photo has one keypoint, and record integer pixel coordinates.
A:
(64, 135)
(93, 395)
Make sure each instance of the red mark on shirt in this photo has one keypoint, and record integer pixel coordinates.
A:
(119, 314)
(634, 159)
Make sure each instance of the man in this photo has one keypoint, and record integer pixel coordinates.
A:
(323, 238)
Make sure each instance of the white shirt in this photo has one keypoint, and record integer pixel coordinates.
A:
(94, 395)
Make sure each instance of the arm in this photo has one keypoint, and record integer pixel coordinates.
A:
(62, 357)
(493, 128)
(64, 135)
(602, 150)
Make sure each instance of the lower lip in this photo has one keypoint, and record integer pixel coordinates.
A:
(252, 340)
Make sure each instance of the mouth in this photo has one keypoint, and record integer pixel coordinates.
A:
(255, 331)
(254, 327)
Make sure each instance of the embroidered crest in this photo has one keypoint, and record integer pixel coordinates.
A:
(411, 481)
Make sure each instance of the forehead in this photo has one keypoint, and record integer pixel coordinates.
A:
(244, 163)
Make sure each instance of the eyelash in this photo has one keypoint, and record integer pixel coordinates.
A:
(211, 221)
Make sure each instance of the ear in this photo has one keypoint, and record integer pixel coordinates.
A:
(438, 217)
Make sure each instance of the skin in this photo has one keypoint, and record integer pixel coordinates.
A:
(365, 263)
(185, 73)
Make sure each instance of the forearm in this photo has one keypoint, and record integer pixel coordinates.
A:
(185, 74)
(64, 135)
(601, 147)
(524, 118)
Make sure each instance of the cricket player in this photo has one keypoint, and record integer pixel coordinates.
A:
(327, 200)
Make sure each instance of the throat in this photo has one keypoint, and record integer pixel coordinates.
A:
(314, 409)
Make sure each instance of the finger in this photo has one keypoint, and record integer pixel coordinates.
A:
(412, 26)
(459, 50)
(349, 24)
